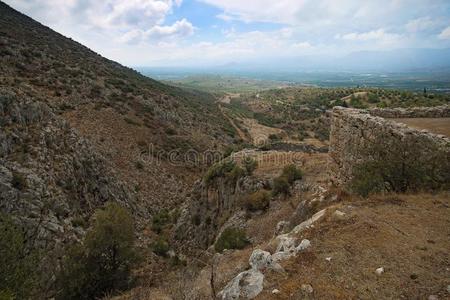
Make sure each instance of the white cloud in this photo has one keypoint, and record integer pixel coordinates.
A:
(378, 34)
(445, 34)
(133, 20)
(420, 24)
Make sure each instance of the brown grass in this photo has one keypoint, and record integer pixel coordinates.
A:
(407, 235)
(434, 125)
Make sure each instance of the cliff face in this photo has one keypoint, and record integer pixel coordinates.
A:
(213, 207)
(357, 137)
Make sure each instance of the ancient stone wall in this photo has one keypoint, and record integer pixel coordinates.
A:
(413, 112)
(354, 132)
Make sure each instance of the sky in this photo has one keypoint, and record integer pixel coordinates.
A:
(219, 32)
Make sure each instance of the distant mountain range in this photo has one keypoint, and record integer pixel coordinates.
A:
(399, 60)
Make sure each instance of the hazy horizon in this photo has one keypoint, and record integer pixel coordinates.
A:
(287, 33)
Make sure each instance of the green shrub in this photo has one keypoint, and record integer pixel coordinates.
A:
(281, 186)
(292, 173)
(18, 181)
(367, 180)
(219, 170)
(102, 264)
(236, 173)
(160, 247)
(139, 165)
(18, 277)
(79, 221)
(274, 137)
(159, 220)
(395, 168)
(231, 238)
(250, 165)
(258, 200)
(196, 220)
(170, 131)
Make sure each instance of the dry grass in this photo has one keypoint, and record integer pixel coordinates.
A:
(434, 125)
(407, 235)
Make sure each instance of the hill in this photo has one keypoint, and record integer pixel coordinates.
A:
(78, 130)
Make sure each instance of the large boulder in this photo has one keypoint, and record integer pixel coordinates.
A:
(246, 285)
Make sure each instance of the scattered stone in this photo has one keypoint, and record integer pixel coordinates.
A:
(379, 271)
(303, 245)
(281, 227)
(275, 291)
(302, 226)
(448, 288)
(307, 288)
(260, 260)
(433, 297)
(328, 258)
(246, 285)
(339, 215)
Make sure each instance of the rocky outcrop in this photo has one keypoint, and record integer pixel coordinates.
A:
(356, 133)
(51, 180)
(212, 207)
(250, 283)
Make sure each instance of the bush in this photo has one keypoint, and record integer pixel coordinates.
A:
(236, 173)
(219, 170)
(274, 137)
(102, 264)
(258, 200)
(18, 276)
(18, 181)
(139, 165)
(366, 180)
(231, 238)
(250, 165)
(292, 173)
(170, 131)
(159, 220)
(281, 186)
(196, 220)
(160, 247)
(396, 168)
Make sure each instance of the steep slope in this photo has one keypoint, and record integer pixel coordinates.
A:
(126, 116)
(78, 130)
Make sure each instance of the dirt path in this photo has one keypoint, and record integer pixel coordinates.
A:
(241, 134)
(259, 133)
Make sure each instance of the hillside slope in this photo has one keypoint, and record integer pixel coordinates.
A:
(78, 130)
(124, 115)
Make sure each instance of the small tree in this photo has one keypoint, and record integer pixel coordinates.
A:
(17, 265)
(281, 186)
(250, 165)
(292, 173)
(258, 200)
(231, 238)
(103, 262)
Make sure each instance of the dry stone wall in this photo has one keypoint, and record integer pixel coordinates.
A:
(353, 132)
(413, 112)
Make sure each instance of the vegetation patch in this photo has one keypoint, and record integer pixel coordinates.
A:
(231, 238)
(102, 264)
(259, 200)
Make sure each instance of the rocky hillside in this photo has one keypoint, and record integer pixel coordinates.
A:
(78, 130)
(121, 112)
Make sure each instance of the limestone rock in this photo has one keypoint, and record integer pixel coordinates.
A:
(246, 285)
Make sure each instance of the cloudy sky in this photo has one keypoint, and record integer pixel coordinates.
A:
(215, 32)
